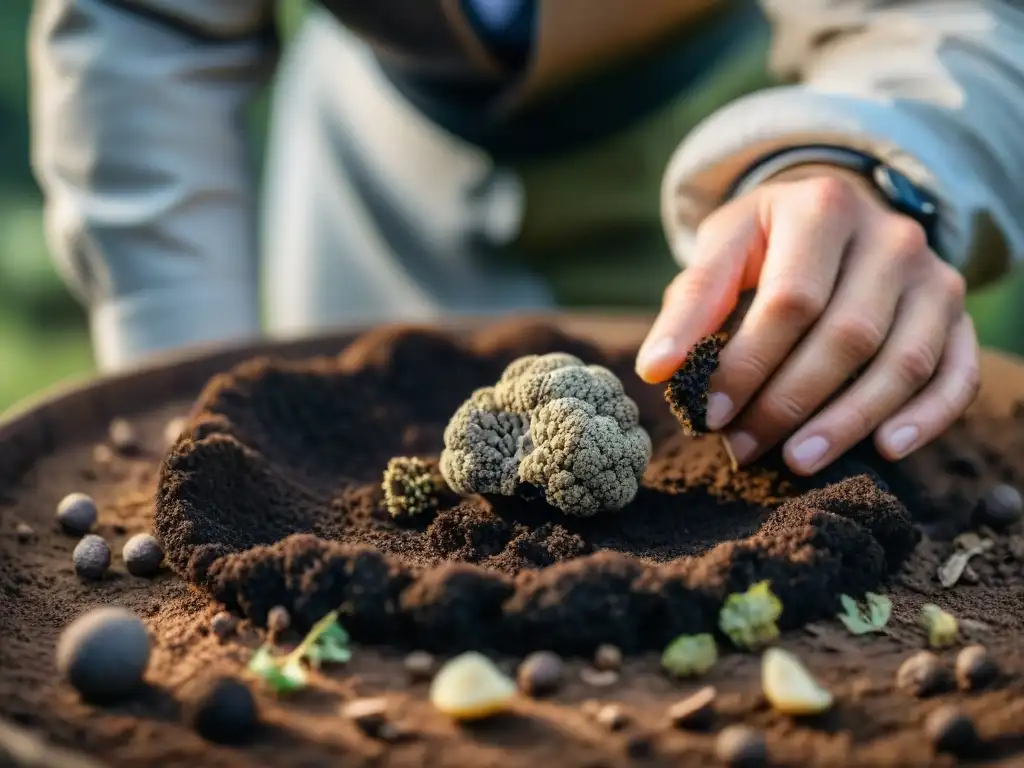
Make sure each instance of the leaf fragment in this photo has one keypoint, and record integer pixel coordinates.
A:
(860, 623)
(749, 618)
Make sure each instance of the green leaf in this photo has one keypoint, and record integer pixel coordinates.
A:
(328, 652)
(879, 609)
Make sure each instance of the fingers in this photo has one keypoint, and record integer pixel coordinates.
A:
(699, 299)
(906, 363)
(849, 334)
(808, 236)
(939, 404)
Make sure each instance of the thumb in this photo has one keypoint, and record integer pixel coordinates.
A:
(700, 299)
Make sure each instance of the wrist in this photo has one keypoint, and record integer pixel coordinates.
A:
(894, 189)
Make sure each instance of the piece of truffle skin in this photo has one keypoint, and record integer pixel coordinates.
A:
(687, 390)
(554, 424)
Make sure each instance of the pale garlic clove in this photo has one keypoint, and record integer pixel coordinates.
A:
(789, 687)
(471, 687)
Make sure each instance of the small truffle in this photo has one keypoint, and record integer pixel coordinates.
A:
(91, 557)
(975, 668)
(922, 675)
(24, 532)
(77, 513)
(142, 555)
(222, 710)
(541, 673)
(410, 488)
(951, 731)
(687, 390)
(1000, 508)
(104, 654)
(741, 747)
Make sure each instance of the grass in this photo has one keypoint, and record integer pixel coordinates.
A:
(43, 336)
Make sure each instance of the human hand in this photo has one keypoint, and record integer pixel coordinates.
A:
(847, 289)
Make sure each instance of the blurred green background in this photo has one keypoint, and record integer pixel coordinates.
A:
(43, 337)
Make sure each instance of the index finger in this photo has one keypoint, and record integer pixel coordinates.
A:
(701, 297)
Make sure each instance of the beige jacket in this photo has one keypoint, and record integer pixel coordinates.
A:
(138, 111)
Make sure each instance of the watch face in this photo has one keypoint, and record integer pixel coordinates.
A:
(904, 194)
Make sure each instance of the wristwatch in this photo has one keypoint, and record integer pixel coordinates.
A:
(896, 189)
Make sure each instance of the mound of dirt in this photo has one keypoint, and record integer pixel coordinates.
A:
(272, 497)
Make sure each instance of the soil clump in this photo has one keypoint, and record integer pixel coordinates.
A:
(274, 497)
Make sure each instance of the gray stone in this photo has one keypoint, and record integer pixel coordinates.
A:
(91, 557)
(77, 513)
(142, 555)
(104, 654)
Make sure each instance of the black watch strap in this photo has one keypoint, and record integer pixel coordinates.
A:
(898, 190)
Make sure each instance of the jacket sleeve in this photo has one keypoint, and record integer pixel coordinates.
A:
(934, 88)
(139, 146)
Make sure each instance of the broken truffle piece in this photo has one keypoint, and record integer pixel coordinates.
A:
(687, 390)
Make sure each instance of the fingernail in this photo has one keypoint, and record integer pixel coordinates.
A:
(809, 453)
(743, 445)
(719, 410)
(902, 441)
(654, 354)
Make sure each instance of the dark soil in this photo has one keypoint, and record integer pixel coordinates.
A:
(305, 444)
(273, 497)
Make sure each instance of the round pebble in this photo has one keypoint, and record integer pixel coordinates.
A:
(223, 625)
(541, 673)
(950, 730)
(975, 668)
(741, 746)
(142, 555)
(607, 657)
(222, 710)
(123, 437)
(922, 675)
(419, 666)
(612, 717)
(104, 654)
(278, 619)
(1001, 507)
(91, 557)
(369, 715)
(695, 712)
(24, 532)
(77, 513)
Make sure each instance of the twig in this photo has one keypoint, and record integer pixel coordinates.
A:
(734, 465)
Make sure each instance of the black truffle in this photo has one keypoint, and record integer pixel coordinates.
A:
(687, 390)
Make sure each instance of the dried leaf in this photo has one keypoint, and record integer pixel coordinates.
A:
(971, 544)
